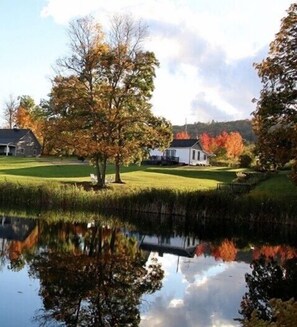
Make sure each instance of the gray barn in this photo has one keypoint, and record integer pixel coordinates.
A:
(19, 142)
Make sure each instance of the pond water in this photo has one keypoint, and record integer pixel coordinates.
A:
(101, 273)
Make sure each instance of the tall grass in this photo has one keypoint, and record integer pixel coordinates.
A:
(196, 205)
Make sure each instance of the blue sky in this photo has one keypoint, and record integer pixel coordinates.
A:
(206, 49)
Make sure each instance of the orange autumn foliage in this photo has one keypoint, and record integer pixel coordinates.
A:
(280, 252)
(234, 145)
(208, 143)
(25, 120)
(231, 143)
(201, 249)
(226, 251)
(182, 136)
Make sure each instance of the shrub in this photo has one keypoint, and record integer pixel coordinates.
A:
(245, 161)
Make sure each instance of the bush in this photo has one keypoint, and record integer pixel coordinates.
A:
(245, 161)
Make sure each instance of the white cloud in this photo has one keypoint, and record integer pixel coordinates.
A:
(63, 11)
(206, 50)
(175, 303)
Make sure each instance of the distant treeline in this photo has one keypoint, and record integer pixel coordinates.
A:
(244, 127)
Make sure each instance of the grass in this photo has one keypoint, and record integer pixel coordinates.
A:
(40, 184)
(32, 170)
(279, 186)
(179, 178)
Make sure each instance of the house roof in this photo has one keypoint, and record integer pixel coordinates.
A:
(176, 143)
(12, 135)
(17, 229)
(178, 251)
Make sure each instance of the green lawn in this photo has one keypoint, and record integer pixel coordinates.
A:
(278, 186)
(184, 178)
(40, 170)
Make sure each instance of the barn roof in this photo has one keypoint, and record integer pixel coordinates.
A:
(12, 135)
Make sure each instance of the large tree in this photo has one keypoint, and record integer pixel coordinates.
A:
(130, 73)
(275, 118)
(100, 98)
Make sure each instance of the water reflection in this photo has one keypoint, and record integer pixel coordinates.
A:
(271, 278)
(93, 277)
(203, 291)
(112, 274)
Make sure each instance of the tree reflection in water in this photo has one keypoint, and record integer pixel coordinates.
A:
(98, 283)
(268, 280)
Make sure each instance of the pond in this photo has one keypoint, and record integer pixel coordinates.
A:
(154, 272)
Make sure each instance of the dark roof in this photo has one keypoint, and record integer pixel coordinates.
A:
(182, 252)
(17, 229)
(184, 143)
(12, 135)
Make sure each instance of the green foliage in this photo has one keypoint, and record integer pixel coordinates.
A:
(268, 279)
(275, 117)
(245, 161)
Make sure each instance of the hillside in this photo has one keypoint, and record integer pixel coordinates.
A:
(244, 127)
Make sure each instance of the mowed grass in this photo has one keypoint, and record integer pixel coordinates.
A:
(39, 170)
(42, 169)
(51, 169)
(181, 178)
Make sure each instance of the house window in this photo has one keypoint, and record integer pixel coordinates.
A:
(204, 156)
(170, 153)
(193, 155)
(198, 157)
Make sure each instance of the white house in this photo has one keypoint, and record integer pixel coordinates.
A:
(188, 152)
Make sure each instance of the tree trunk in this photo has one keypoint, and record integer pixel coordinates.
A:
(100, 180)
(117, 171)
(103, 170)
(100, 166)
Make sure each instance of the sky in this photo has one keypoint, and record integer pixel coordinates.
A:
(206, 50)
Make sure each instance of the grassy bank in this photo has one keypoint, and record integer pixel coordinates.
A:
(40, 185)
(196, 205)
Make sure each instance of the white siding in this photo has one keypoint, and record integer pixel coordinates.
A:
(200, 158)
(156, 152)
(185, 156)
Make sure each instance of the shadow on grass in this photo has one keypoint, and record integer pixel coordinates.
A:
(84, 170)
(63, 171)
(50, 171)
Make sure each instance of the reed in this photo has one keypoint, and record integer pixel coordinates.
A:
(195, 205)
